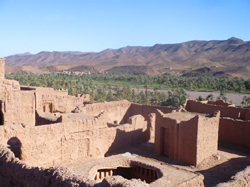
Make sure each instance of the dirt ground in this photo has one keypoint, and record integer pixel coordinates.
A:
(216, 169)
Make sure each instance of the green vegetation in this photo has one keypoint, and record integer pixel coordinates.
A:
(246, 101)
(175, 98)
(110, 87)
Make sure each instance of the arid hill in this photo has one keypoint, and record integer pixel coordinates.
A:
(230, 56)
(83, 68)
(205, 71)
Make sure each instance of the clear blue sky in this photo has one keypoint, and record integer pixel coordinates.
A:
(95, 25)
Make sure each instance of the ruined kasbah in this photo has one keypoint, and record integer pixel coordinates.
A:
(49, 138)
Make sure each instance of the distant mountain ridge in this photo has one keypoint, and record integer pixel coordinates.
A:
(223, 55)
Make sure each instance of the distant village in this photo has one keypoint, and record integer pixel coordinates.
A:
(80, 73)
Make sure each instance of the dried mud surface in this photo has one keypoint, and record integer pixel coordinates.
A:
(216, 169)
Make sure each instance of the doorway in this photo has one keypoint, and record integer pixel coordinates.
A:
(15, 146)
(165, 141)
(1, 114)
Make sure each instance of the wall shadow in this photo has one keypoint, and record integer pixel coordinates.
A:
(124, 140)
(44, 121)
(235, 149)
(223, 172)
(146, 149)
(127, 115)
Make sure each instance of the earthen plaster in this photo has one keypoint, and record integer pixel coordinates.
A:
(185, 136)
(43, 126)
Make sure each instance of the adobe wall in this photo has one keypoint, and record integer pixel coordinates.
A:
(187, 144)
(118, 111)
(10, 101)
(50, 100)
(232, 112)
(186, 136)
(219, 103)
(15, 172)
(234, 125)
(207, 140)
(171, 124)
(72, 140)
(148, 112)
(145, 110)
(27, 111)
(198, 138)
(2, 68)
(234, 131)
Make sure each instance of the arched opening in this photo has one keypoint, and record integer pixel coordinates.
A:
(1, 114)
(15, 146)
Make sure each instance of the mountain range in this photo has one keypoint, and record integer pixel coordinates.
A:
(230, 56)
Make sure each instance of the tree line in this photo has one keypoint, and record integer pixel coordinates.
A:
(111, 87)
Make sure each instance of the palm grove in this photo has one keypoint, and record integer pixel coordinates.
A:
(111, 87)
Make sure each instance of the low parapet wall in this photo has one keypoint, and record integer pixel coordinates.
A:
(14, 172)
(234, 131)
(225, 111)
(117, 111)
(220, 103)
(145, 110)
(234, 125)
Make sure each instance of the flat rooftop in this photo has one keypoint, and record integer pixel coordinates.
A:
(78, 116)
(183, 116)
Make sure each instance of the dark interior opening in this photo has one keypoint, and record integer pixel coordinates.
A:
(26, 88)
(133, 172)
(1, 114)
(15, 146)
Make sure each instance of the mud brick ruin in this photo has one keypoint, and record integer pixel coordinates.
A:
(185, 136)
(42, 129)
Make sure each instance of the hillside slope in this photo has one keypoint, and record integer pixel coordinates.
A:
(223, 54)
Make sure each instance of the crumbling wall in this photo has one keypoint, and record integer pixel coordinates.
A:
(234, 131)
(14, 172)
(148, 112)
(50, 100)
(240, 179)
(232, 112)
(145, 110)
(73, 140)
(219, 103)
(116, 111)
